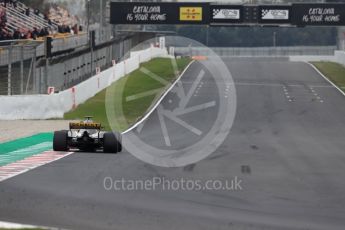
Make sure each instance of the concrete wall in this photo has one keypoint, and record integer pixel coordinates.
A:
(312, 58)
(338, 57)
(257, 51)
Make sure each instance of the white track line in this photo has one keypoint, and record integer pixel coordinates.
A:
(159, 101)
(8, 225)
(322, 75)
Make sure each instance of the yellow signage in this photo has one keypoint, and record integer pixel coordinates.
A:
(83, 125)
(190, 13)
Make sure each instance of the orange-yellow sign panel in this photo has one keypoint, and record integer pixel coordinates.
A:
(190, 13)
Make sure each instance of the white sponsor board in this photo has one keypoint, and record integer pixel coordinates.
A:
(275, 14)
(226, 14)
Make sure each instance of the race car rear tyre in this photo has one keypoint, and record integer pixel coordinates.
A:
(60, 141)
(112, 143)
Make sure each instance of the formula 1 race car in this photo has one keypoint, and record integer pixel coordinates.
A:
(87, 136)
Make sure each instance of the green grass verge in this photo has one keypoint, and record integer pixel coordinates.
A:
(135, 83)
(333, 71)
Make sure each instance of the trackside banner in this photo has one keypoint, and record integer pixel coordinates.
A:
(318, 14)
(299, 14)
(158, 13)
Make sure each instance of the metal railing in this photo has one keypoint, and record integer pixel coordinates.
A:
(22, 20)
(17, 75)
(68, 73)
(66, 42)
(24, 69)
(39, 17)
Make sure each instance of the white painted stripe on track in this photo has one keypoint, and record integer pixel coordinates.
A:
(322, 75)
(159, 101)
(10, 225)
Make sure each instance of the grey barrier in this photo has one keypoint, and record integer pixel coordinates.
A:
(257, 51)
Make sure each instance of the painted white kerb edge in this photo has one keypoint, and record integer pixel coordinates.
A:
(322, 75)
(9, 225)
(159, 101)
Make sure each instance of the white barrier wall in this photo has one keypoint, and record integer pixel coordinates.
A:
(312, 58)
(339, 57)
(54, 106)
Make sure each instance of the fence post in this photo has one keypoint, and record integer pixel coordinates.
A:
(21, 69)
(45, 77)
(91, 45)
(9, 73)
(33, 72)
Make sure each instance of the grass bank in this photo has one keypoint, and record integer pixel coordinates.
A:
(136, 89)
(333, 71)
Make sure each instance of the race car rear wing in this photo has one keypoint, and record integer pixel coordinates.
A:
(84, 125)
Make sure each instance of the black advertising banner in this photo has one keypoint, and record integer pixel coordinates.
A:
(318, 14)
(226, 14)
(271, 14)
(315, 14)
(159, 13)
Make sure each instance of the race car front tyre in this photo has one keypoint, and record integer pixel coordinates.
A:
(60, 141)
(112, 143)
